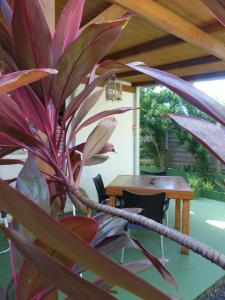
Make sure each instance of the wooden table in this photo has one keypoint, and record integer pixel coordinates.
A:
(175, 187)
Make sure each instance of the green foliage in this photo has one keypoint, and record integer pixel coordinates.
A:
(156, 102)
(194, 181)
(208, 186)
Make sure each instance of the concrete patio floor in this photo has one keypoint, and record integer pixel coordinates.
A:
(193, 273)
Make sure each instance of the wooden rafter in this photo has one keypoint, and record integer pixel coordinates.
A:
(196, 77)
(176, 25)
(161, 42)
(177, 65)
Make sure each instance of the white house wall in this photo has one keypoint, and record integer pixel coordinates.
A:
(121, 162)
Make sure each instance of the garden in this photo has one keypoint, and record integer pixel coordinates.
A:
(203, 172)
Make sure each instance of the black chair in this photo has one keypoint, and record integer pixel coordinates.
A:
(103, 198)
(160, 173)
(153, 206)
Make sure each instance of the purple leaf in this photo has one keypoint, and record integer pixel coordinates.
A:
(107, 148)
(30, 28)
(67, 28)
(99, 137)
(76, 102)
(217, 8)
(209, 134)
(96, 160)
(102, 115)
(7, 11)
(85, 107)
(32, 108)
(135, 266)
(185, 90)
(67, 281)
(6, 39)
(96, 141)
(5, 161)
(15, 80)
(80, 57)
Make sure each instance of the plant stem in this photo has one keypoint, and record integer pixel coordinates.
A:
(196, 246)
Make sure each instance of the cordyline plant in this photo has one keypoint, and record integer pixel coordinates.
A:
(34, 117)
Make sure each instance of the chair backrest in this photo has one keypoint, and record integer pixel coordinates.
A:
(100, 188)
(152, 205)
(161, 173)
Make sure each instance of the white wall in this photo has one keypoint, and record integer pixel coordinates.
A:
(122, 138)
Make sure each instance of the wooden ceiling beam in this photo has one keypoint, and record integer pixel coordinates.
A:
(165, 41)
(170, 22)
(176, 65)
(111, 13)
(196, 77)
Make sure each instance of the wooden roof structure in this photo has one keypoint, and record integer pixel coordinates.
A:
(178, 36)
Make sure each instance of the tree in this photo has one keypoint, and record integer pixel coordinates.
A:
(156, 102)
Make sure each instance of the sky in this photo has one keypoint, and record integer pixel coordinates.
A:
(213, 88)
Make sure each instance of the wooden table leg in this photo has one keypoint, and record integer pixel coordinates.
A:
(177, 214)
(112, 201)
(186, 222)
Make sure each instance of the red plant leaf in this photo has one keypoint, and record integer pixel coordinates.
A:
(135, 266)
(217, 8)
(107, 148)
(7, 150)
(10, 113)
(100, 116)
(71, 246)
(6, 11)
(85, 107)
(6, 39)
(96, 160)
(181, 87)
(209, 134)
(86, 228)
(82, 55)
(185, 90)
(67, 28)
(8, 64)
(99, 137)
(32, 108)
(78, 100)
(15, 80)
(11, 161)
(30, 28)
(67, 281)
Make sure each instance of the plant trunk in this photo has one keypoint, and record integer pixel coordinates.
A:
(209, 253)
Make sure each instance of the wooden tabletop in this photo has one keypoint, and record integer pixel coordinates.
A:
(173, 186)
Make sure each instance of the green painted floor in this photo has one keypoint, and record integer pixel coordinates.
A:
(192, 273)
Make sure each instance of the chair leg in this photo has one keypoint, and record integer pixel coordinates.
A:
(167, 218)
(122, 256)
(4, 215)
(162, 246)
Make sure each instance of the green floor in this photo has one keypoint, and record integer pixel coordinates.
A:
(192, 273)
